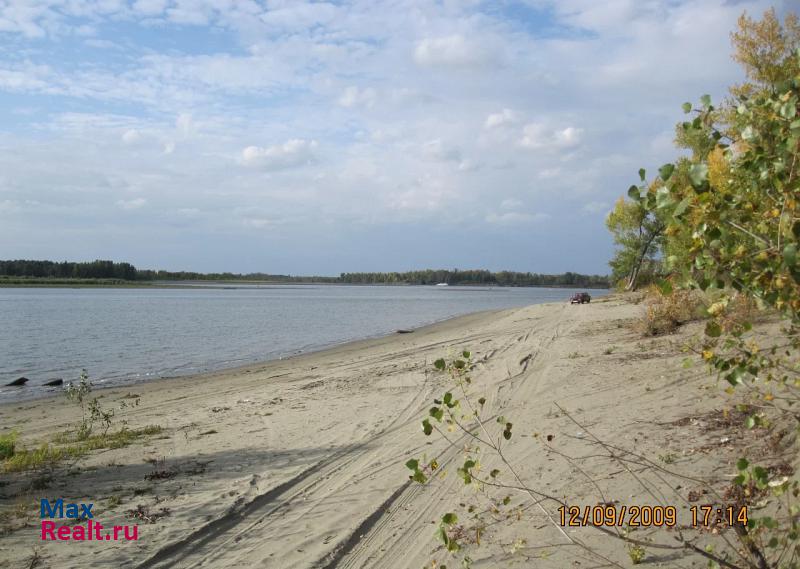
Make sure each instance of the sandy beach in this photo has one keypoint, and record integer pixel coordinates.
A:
(299, 463)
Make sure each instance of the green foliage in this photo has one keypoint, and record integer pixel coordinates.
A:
(636, 553)
(732, 224)
(48, 456)
(8, 444)
(637, 234)
(91, 411)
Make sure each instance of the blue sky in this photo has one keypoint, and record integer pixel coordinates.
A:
(319, 137)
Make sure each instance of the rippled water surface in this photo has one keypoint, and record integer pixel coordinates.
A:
(127, 335)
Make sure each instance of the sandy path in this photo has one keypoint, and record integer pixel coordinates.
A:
(300, 463)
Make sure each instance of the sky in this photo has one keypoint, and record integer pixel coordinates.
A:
(300, 137)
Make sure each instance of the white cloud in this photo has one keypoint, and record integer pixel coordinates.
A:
(150, 7)
(454, 51)
(292, 153)
(503, 118)
(131, 136)
(355, 97)
(537, 135)
(515, 218)
(135, 203)
(26, 78)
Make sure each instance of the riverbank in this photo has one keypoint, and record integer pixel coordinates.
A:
(301, 463)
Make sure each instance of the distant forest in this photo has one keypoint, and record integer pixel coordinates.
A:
(113, 271)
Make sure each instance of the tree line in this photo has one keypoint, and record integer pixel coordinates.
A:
(101, 269)
(476, 277)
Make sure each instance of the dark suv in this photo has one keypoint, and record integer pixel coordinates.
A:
(580, 298)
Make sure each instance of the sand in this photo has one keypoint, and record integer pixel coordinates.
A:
(300, 463)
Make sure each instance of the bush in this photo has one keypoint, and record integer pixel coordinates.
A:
(664, 313)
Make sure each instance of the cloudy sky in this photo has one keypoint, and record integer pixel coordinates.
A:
(319, 137)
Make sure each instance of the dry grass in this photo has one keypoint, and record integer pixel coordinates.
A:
(48, 456)
(664, 313)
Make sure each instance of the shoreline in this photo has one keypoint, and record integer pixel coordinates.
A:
(57, 393)
(35, 389)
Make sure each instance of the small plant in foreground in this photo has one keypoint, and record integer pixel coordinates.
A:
(91, 411)
(636, 553)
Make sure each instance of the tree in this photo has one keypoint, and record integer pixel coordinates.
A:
(638, 233)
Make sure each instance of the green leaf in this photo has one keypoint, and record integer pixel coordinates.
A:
(419, 477)
(449, 519)
(665, 286)
(642, 174)
(469, 464)
(663, 197)
(790, 254)
(412, 464)
(750, 422)
(427, 428)
(447, 399)
(687, 107)
(482, 401)
(698, 175)
(788, 110)
(633, 193)
(437, 413)
(681, 207)
(506, 500)
(439, 364)
(665, 172)
(466, 354)
(507, 434)
(735, 377)
(706, 100)
(459, 364)
(713, 329)
(742, 464)
(494, 473)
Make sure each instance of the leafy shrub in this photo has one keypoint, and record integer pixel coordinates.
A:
(91, 411)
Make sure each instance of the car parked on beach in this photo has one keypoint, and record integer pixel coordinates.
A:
(580, 298)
